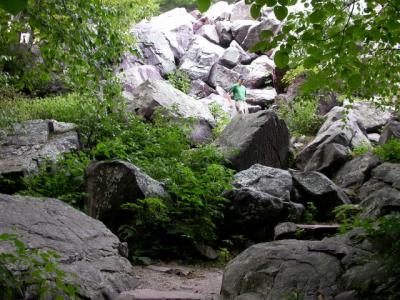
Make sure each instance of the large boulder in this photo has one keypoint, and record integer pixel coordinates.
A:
(241, 28)
(223, 77)
(87, 248)
(110, 184)
(355, 172)
(221, 101)
(245, 57)
(315, 187)
(381, 194)
(328, 159)
(219, 11)
(29, 144)
(391, 131)
(262, 97)
(310, 270)
(240, 11)
(209, 32)
(369, 117)
(134, 76)
(334, 130)
(224, 33)
(200, 89)
(152, 94)
(255, 138)
(257, 73)
(231, 57)
(200, 57)
(253, 35)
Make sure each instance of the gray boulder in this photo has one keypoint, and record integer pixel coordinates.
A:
(317, 188)
(87, 248)
(29, 144)
(262, 97)
(219, 11)
(257, 73)
(209, 32)
(221, 101)
(200, 89)
(134, 76)
(223, 77)
(355, 172)
(245, 57)
(312, 269)
(255, 138)
(289, 230)
(381, 194)
(230, 58)
(391, 131)
(152, 94)
(374, 137)
(241, 28)
(224, 33)
(369, 117)
(253, 35)
(240, 11)
(110, 184)
(328, 159)
(200, 57)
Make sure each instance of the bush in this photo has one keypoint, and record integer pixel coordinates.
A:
(301, 116)
(180, 80)
(33, 271)
(360, 150)
(220, 116)
(389, 152)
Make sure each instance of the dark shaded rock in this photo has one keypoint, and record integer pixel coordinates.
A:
(87, 248)
(240, 28)
(313, 269)
(257, 73)
(230, 58)
(206, 251)
(255, 138)
(381, 194)
(224, 32)
(289, 230)
(355, 172)
(369, 117)
(200, 89)
(223, 77)
(253, 35)
(110, 184)
(320, 190)
(328, 159)
(29, 144)
(391, 131)
(148, 294)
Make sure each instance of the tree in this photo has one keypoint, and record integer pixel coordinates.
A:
(347, 46)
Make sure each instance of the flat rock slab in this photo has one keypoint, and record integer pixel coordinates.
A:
(147, 294)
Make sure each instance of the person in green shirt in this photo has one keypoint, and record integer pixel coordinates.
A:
(238, 94)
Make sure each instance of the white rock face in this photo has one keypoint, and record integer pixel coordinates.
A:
(200, 57)
(219, 11)
(209, 32)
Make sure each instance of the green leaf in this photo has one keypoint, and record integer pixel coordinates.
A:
(316, 16)
(13, 6)
(281, 59)
(203, 5)
(280, 12)
(354, 81)
(283, 2)
(255, 11)
(270, 3)
(310, 62)
(266, 34)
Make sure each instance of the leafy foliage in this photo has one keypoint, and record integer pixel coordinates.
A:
(301, 116)
(348, 216)
(310, 213)
(350, 47)
(389, 152)
(360, 150)
(23, 270)
(222, 118)
(180, 80)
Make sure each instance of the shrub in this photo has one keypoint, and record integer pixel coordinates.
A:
(360, 150)
(29, 270)
(389, 152)
(180, 80)
(220, 116)
(347, 215)
(301, 116)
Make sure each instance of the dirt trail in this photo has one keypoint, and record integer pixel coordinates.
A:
(172, 277)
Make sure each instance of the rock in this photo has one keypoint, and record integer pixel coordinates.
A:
(381, 194)
(240, 29)
(320, 190)
(164, 38)
(230, 58)
(254, 214)
(87, 248)
(206, 251)
(200, 57)
(148, 294)
(328, 159)
(289, 230)
(209, 32)
(391, 130)
(253, 35)
(240, 11)
(276, 182)
(221, 101)
(136, 75)
(245, 57)
(201, 132)
(200, 89)
(255, 138)
(223, 77)
(334, 130)
(262, 97)
(256, 74)
(355, 172)
(368, 116)
(326, 102)
(219, 11)
(152, 94)
(312, 269)
(374, 137)
(224, 32)
(31, 143)
(109, 184)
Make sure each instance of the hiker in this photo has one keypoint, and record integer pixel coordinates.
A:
(238, 93)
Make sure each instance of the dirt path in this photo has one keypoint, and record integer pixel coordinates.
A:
(172, 277)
